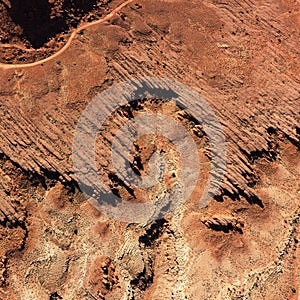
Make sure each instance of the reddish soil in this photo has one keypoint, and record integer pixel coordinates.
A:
(34, 30)
(243, 57)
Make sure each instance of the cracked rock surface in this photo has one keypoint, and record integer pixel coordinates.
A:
(243, 58)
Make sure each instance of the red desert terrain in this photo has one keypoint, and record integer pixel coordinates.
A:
(243, 57)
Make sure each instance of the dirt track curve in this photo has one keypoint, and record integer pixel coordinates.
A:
(67, 45)
(243, 58)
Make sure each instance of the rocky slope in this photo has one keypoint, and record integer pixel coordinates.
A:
(243, 57)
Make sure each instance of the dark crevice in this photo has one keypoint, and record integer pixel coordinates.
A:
(55, 296)
(144, 279)
(226, 227)
(295, 142)
(148, 241)
(46, 178)
(42, 20)
(270, 154)
(251, 199)
(117, 183)
(153, 233)
(36, 21)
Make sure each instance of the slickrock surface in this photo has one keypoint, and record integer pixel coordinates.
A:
(243, 58)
